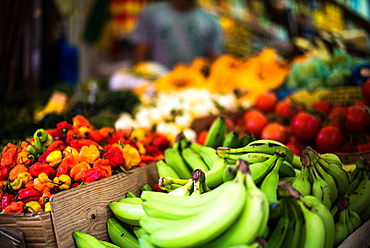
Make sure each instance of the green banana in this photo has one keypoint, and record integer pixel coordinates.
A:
(253, 218)
(216, 133)
(360, 197)
(85, 240)
(279, 233)
(287, 170)
(136, 200)
(324, 213)
(195, 147)
(184, 190)
(339, 174)
(229, 172)
(194, 160)
(341, 229)
(165, 171)
(295, 233)
(361, 175)
(246, 139)
(297, 164)
(331, 158)
(174, 159)
(138, 231)
(205, 226)
(145, 242)
(302, 181)
(354, 218)
(120, 235)
(209, 156)
(320, 188)
(269, 184)
(231, 140)
(127, 213)
(329, 179)
(130, 195)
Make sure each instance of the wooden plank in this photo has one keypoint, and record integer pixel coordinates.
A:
(359, 238)
(86, 208)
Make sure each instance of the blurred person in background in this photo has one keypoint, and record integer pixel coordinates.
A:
(176, 31)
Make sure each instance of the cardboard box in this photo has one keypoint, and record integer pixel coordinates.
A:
(84, 209)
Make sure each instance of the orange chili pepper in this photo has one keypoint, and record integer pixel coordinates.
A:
(45, 198)
(89, 154)
(19, 168)
(80, 121)
(25, 158)
(131, 155)
(56, 145)
(78, 169)
(105, 167)
(43, 182)
(9, 155)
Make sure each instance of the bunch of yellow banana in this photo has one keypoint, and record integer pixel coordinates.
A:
(190, 216)
(305, 221)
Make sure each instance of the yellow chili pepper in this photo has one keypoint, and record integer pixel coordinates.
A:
(131, 155)
(42, 182)
(63, 181)
(55, 158)
(89, 154)
(142, 149)
(139, 134)
(33, 207)
(21, 180)
(47, 207)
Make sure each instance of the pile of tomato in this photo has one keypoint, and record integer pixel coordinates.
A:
(325, 127)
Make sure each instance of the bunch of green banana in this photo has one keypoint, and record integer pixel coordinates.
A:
(120, 235)
(185, 157)
(321, 175)
(216, 218)
(301, 224)
(359, 189)
(346, 220)
(85, 240)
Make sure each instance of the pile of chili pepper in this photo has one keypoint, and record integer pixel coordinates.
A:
(68, 156)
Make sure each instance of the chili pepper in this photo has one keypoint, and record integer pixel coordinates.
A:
(119, 136)
(56, 145)
(77, 170)
(6, 200)
(131, 155)
(72, 134)
(21, 180)
(74, 185)
(138, 134)
(4, 172)
(107, 133)
(43, 136)
(141, 148)
(89, 154)
(38, 168)
(43, 156)
(33, 207)
(14, 207)
(54, 158)
(91, 175)
(43, 182)
(96, 136)
(28, 194)
(80, 121)
(79, 143)
(25, 158)
(47, 207)
(60, 131)
(9, 155)
(45, 198)
(84, 130)
(19, 168)
(30, 184)
(147, 159)
(115, 157)
(105, 167)
(63, 181)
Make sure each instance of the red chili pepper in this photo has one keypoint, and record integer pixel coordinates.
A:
(79, 143)
(38, 168)
(96, 136)
(4, 172)
(9, 155)
(72, 134)
(91, 175)
(119, 136)
(43, 156)
(104, 165)
(115, 157)
(6, 200)
(28, 194)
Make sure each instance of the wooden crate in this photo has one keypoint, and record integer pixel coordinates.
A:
(84, 209)
(359, 238)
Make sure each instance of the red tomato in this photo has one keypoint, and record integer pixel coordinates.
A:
(329, 139)
(266, 102)
(295, 150)
(337, 117)
(287, 109)
(254, 121)
(323, 106)
(357, 119)
(304, 125)
(274, 131)
(365, 90)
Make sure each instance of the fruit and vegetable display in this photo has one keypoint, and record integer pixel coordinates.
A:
(239, 191)
(70, 155)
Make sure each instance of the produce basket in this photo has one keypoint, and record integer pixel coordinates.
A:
(84, 209)
(351, 157)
